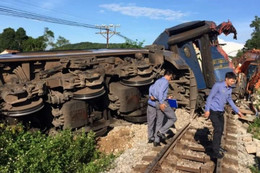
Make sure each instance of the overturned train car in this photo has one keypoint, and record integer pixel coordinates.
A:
(194, 46)
(84, 89)
(73, 89)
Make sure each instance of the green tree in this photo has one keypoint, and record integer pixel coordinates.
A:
(40, 43)
(18, 40)
(132, 44)
(7, 39)
(20, 37)
(254, 42)
(32, 44)
(61, 41)
(48, 37)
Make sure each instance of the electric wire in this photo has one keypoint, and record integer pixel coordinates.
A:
(4, 10)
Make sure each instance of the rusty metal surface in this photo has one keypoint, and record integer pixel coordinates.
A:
(74, 114)
(60, 78)
(175, 59)
(17, 111)
(128, 98)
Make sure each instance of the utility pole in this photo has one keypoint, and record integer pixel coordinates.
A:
(110, 30)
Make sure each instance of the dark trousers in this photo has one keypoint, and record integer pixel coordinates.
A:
(217, 120)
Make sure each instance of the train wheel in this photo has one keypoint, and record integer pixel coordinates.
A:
(25, 108)
(101, 132)
(139, 119)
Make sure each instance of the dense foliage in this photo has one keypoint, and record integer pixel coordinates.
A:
(132, 44)
(23, 151)
(254, 128)
(88, 45)
(18, 40)
(254, 42)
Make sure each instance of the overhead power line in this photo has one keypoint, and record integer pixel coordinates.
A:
(29, 15)
(108, 33)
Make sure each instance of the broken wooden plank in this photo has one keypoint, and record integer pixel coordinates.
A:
(246, 111)
(247, 118)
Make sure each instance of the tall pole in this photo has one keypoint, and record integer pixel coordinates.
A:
(108, 33)
(107, 37)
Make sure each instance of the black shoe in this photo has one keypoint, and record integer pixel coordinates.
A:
(161, 135)
(170, 134)
(156, 144)
(163, 141)
(150, 140)
(222, 150)
(217, 155)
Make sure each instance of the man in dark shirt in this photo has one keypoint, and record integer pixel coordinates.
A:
(220, 94)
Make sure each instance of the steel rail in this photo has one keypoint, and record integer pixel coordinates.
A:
(218, 167)
(164, 152)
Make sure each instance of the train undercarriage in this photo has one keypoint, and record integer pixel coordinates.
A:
(75, 90)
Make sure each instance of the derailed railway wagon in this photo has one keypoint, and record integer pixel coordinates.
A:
(85, 88)
(194, 46)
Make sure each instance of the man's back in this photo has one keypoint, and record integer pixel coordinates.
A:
(159, 89)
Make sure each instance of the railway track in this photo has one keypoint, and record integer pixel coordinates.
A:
(190, 150)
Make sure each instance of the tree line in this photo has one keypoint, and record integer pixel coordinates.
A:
(89, 45)
(19, 40)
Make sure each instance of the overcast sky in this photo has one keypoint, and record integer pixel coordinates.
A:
(141, 20)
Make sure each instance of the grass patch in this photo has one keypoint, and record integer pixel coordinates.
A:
(254, 128)
(255, 168)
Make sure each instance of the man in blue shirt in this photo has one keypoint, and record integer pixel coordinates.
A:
(220, 94)
(158, 107)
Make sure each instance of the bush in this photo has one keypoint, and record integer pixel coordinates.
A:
(23, 151)
(254, 128)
